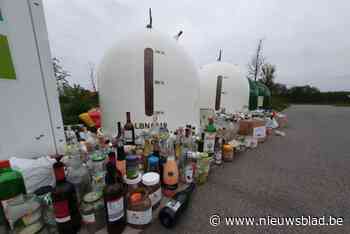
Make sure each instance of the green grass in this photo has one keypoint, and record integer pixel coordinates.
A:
(279, 103)
(342, 104)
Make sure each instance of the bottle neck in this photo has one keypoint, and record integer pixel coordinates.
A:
(121, 153)
(128, 118)
(119, 130)
(59, 173)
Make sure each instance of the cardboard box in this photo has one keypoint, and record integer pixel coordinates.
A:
(246, 127)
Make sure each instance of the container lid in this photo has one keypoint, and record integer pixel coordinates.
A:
(4, 164)
(131, 158)
(92, 197)
(133, 181)
(150, 178)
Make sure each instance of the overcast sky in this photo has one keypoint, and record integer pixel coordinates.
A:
(307, 40)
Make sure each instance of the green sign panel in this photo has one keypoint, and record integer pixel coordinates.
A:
(7, 70)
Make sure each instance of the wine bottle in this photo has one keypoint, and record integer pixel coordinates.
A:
(65, 202)
(113, 196)
(129, 131)
(173, 209)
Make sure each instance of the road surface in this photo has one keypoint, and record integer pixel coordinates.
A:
(305, 173)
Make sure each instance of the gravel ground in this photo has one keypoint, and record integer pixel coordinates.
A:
(304, 173)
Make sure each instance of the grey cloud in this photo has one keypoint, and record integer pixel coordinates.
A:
(307, 40)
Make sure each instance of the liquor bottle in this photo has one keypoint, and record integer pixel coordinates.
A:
(121, 159)
(170, 172)
(113, 196)
(119, 136)
(177, 145)
(218, 151)
(129, 131)
(65, 202)
(155, 126)
(172, 211)
(209, 139)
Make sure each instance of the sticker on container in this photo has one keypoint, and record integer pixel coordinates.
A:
(115, 209)
(209, 142)
(259, 132)
(189, 174)
(90, 218)
(61, 210)
(174, 205)
(156, 196)
(128, 135)
(139, 217)
(218, 156)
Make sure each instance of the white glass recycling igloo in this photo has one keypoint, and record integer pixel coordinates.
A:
(222, 85)
(148, 73)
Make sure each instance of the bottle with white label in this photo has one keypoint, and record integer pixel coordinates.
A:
(129, 131)
(171, 212)
(209, 139)
(139, 209)
(151, 181)
(113, 195)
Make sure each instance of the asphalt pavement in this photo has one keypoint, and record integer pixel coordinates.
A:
(306, 173)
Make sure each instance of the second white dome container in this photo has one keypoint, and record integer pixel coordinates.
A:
(222, 85)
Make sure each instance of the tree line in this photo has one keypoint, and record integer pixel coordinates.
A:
(265, 72)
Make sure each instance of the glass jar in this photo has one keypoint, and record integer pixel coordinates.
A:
(202, 168)
(227, 152)
(92, 211)
(151, 182)
(139, 209)
(97, 159)
(132, 184)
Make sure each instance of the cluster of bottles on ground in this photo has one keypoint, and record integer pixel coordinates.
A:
(119, 181)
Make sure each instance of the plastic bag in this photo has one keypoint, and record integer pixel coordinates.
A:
(272, 123)
(36, 172)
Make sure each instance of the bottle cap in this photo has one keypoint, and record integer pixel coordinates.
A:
(133, 181)
(150, 178)
(4, 164)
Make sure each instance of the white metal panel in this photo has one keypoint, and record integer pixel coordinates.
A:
(50, 89)
(25, 127)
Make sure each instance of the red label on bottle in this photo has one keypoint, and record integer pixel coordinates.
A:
(59, 173)
(61, 209)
